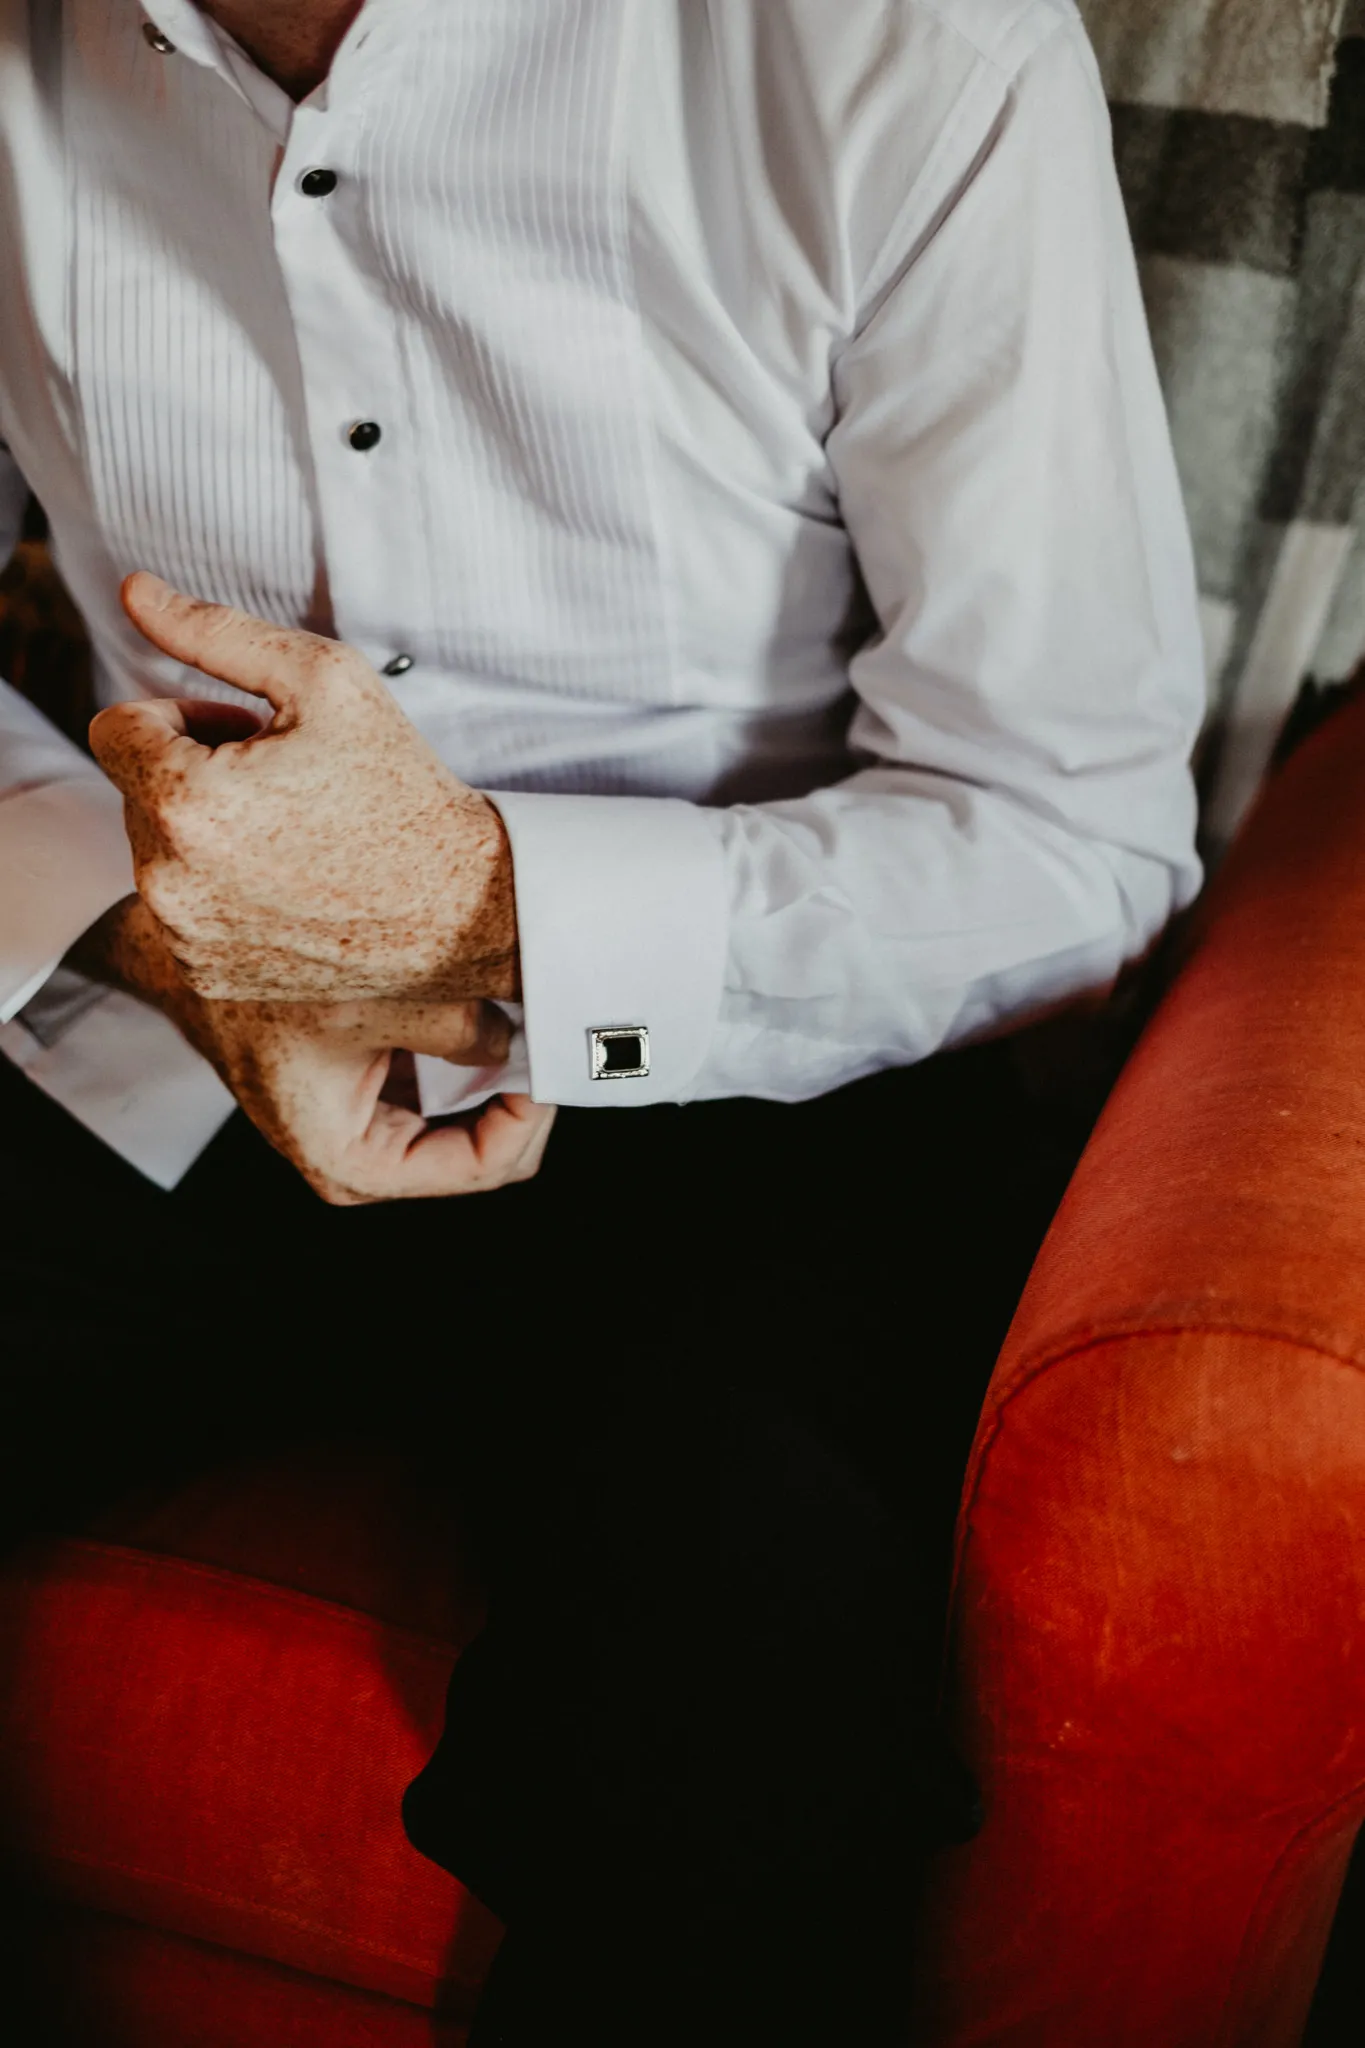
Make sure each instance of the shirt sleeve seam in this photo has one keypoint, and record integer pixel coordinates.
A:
(1054, 23)
(882, 271)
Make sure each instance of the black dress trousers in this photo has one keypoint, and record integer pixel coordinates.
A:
(704, 1391)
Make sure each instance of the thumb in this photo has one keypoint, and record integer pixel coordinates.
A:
(269, 661)
(485, 1041)
(469, 1033)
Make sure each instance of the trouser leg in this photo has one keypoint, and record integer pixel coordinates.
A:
(703, 1730)
(90, 1330)
(704, 1389)
(704, 1701)
(144, 1335)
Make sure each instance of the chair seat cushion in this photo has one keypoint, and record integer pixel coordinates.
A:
(218, 1756)
(107, 1983)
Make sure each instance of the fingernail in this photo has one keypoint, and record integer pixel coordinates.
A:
(153, 592)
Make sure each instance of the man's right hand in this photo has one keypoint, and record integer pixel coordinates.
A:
(311, 1076)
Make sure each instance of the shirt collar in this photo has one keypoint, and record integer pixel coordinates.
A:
(193, 34)
(203, 42)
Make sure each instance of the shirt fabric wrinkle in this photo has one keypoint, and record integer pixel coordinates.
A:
(658, 423)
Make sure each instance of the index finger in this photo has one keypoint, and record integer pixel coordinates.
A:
(221, 641)
(400, 1157)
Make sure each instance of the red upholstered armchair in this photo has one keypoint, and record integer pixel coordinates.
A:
(1159, 1614)
(1158, 1639)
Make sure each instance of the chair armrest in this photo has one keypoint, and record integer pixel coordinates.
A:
(1159, 1610)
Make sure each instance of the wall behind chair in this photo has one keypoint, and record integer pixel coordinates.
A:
(1239, 130)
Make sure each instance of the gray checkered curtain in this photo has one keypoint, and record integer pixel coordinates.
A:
(1239, 129)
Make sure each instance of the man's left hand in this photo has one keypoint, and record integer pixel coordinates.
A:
(327, 856)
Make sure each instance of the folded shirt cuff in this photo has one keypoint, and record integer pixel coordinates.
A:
(623, 923)
(65, 860)
(123, 1070)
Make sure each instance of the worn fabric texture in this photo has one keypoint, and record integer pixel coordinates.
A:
(1158, 1660)
(1239, 130)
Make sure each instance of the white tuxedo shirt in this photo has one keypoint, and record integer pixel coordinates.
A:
(773, 506)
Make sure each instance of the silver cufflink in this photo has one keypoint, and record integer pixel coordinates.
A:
(621, 1054)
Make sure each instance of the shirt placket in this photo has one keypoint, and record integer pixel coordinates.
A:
(360, 424)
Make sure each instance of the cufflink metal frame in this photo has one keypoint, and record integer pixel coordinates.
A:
(619, 1053)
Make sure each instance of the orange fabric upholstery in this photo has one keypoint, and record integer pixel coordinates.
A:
(1159, 1622)
(108, 1983)
(219, 1757)
(189, 1746)
(1159, 1617)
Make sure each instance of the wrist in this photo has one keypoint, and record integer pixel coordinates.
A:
(96, 953)
(125, 949)
(485, 958)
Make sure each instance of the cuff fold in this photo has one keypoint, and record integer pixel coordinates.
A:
(65, 860)
(623, 921)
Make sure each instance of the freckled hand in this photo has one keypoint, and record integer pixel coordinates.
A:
(327, 856)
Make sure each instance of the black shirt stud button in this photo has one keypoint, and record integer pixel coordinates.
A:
(399, 666)
(317, 184)
(152, 35)
(364, 435)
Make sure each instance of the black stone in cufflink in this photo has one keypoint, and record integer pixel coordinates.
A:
(621, 1054)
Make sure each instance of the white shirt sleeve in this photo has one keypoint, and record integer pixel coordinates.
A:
(1025, 818)
(63, 853)
(117, 1065)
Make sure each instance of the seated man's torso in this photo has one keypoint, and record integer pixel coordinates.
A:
(588, 271)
